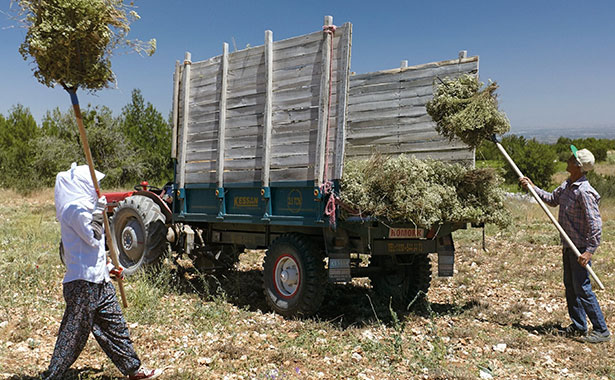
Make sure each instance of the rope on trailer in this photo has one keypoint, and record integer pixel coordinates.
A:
(326, 187)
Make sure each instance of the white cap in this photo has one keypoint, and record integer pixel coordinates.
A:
(584, 157)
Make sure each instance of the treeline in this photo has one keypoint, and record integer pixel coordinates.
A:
(129, 148)
(539, 161)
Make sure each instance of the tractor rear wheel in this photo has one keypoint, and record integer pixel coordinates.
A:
(404, 282)
(139, 233)
(294, 276)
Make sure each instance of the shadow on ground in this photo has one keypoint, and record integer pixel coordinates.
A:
(84, 373)
(343, 306)
(549, 328)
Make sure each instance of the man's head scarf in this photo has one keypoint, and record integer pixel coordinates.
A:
(75, 185)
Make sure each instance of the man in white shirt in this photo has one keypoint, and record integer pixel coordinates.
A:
(91, 303)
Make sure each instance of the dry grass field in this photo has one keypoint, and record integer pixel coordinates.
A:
(496, 318)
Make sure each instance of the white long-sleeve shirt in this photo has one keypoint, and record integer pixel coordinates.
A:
(84, 256)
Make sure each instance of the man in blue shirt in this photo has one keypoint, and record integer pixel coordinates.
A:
(579, 216)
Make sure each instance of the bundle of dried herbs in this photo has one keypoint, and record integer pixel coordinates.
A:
(465, 109)
(423, 192)
(71, 41)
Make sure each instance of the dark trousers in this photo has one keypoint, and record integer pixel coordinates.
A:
(92, 307)
(582, 302)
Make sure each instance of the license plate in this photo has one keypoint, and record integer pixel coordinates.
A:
(405, 233)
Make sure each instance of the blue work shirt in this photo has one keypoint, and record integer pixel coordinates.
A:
(579, 215)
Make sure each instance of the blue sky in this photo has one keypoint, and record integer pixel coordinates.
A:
(554, 60)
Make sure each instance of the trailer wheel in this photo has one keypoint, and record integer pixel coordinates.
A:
(139, 233)
(402, 283)
(294, 276)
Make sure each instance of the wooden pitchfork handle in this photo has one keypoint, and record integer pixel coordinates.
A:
(88, 157)
(546, 210)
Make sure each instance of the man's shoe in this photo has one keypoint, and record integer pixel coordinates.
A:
(571, 331)
(596, 337)
(143, 373)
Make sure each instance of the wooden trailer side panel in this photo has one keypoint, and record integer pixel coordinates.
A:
(260, 106)
(386, 112)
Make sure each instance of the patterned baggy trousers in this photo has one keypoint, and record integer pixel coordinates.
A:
(92, 307)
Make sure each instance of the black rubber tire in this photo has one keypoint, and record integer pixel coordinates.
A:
(401, 283)
(139, 217)
(296, 250)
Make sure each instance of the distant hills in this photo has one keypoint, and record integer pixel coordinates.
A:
(550, 135)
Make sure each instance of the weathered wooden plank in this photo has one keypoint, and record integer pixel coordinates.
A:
(277, 175)
(459, 155)
(180, 110)
(201, 153)
(257, 57)
(412, 75)
(294, 174)
(253, 56)
(386, 81)
(406, 96)
(268, 111)
(399, 94)
(222, 117)
(294, 41)
(406, 124)
(205, 110)
(243, 142)
(206, 93)
(376, 105)
(412, 122)
(305, 139)
(256, 161)
(294, 116)
(206, 80)
(426, 66)
(388, 144)
(206, 74)
(387, 113)
(388, 87)
(410, 149)
(212, 60)
(242, 176)
(392, 134)
(292, 112)
(284, 69)
(341, 113)
(186, 117)
(201, 177)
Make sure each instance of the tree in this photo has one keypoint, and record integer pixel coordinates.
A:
(487, 150)
(59, 145)
(599, 147)
(17, 132)
(150, 134)
(535, 160)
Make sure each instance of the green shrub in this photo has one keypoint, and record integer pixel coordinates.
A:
(604, 184)
(599, 147)
(150, 135)
(535, 160)
(488, 151)
(17, 133)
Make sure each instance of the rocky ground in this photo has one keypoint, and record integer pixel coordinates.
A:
(496, 318)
